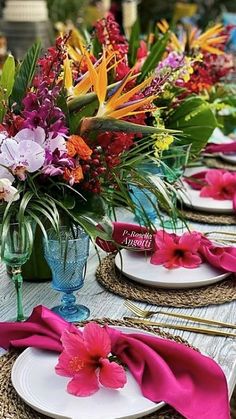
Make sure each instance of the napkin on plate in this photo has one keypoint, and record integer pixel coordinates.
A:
(165, 370)
(135, 237)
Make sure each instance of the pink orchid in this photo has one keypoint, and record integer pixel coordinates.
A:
(221, 185)
(85, 359)
(173, 251)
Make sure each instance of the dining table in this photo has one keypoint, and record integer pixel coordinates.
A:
(104, 304)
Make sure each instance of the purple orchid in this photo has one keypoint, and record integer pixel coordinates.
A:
(56, 162)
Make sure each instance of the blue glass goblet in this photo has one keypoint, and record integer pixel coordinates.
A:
(146, 205)
(67, 255)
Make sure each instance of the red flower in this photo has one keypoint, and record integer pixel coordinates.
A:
(172, 251)
(85, 359)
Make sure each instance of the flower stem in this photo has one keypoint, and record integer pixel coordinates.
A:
(18, 280)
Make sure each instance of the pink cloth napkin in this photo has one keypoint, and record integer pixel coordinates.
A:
(221, 148)
(165, 370)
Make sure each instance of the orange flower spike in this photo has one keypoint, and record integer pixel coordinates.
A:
(102, 80)
(68, 80)
(75, 142)
(127, 110)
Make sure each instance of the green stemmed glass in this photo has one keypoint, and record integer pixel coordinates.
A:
(16, 247)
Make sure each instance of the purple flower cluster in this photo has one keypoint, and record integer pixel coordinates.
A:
(173, 61)
(56, 162)
(40, 110)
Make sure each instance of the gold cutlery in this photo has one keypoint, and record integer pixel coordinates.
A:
(212, 332)
(147, 313)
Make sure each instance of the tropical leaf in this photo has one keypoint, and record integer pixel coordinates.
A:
(6, 84)
(154, 57)
(196, 120)
(134, 43)
(25, 74)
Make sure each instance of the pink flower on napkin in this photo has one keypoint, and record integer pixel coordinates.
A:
(85, 359)
(173, 251)
(220, 185)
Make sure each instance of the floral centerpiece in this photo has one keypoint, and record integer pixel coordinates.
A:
(56, 161)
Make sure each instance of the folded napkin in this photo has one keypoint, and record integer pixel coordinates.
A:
(215, 183)
(135, 237)
(221, 148)
(165, 370)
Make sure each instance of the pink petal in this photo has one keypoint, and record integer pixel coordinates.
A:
(190, 241)
(163, 239)
(97, 340)
(214, 177)
(111, 374)
(64, 367)
(84, 383)
(210, 192)
(161, 256)
(190, 260)
(74, 346)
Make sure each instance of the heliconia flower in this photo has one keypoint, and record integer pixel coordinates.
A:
(7, 192)
(172, 251)
(220, 185)
(85, 359)
(20, 158)
(76, 145)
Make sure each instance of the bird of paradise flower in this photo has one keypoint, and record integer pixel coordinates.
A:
(193, 39)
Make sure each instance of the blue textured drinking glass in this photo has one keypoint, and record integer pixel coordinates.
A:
(144, 200)
(66, 255)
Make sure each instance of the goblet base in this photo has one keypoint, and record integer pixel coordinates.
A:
(76, 313)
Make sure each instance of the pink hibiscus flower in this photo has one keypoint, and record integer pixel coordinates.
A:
(173, 251)
(85, 359)
(220, 185)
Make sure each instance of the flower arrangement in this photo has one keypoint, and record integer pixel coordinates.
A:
(56, 114)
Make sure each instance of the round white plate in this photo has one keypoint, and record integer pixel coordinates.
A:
(137, 266)
(34, 378)
(230, 158)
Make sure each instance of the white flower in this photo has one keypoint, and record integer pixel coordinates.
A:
(7, 192)
(38, 135)
(22, 157)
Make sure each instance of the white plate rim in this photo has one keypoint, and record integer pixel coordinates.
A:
(226, 157)
(201, 283)
(21, 394)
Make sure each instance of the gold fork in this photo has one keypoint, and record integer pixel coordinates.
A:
(148, 313)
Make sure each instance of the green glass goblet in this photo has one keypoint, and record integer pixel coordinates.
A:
(16, 247)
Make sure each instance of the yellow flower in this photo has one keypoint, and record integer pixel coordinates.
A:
(162, 143)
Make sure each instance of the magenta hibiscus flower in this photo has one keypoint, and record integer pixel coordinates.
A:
(172, 251)
(220, 185)
(85, 359)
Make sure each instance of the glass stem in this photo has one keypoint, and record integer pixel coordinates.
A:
(17, 278)
(68, 302)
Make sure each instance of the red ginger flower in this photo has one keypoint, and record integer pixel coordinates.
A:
(172, 251)
(85, 359)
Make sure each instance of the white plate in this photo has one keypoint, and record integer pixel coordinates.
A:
(192, 198)
(231, 158)
(137, 266)
(34, 378)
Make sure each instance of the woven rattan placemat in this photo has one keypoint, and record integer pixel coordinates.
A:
(13, 407)
(208, 218)
(219, 164)
(113, 280)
